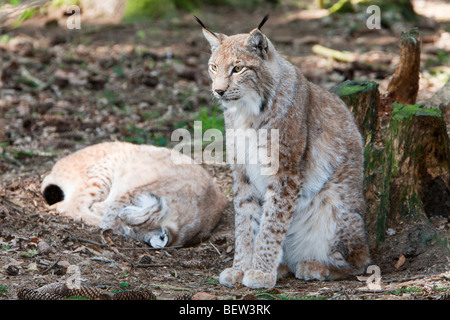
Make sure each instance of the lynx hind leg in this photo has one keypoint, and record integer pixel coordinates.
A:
(140, 220)
(349, 257)
(314, 270)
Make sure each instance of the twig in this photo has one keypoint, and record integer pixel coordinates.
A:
(52, 265)
(102, 259)
(17, 207)
(101, 245)
(410, 279)
(371, 291)
(164, 286)
(215, 248)
(150, 248)
(163, 248)
(122, 256)
(141, 265)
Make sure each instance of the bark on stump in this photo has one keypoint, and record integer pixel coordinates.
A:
(441, 100)
(362, 97)
(404, 84)
(407, 180)
(406, 163)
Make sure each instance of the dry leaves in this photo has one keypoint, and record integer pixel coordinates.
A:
(401, 260)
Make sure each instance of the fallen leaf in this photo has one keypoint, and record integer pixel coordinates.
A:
(362, 278)
(401, 260)
(32, 267)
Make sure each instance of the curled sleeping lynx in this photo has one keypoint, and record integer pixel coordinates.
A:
(138, 191)
(308, 217)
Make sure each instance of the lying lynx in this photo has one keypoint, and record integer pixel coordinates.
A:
(308, 217)
(136, 190)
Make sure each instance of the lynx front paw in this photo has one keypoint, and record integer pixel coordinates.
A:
(258, 279)
(230, 276)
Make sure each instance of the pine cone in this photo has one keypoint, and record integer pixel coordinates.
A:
(193, 264)
(30, 294)
(184, 296)
(134, 295)
(90, 292)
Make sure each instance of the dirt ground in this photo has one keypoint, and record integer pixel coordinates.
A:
(67, 89)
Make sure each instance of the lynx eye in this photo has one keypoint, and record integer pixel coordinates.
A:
(238, 69)
(213, 67)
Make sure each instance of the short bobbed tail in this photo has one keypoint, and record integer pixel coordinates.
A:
(53, 194)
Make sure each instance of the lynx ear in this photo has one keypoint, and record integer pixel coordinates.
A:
(214, 39)
(258, 43)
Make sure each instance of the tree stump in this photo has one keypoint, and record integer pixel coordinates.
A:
(406, 164)
(410, 174)
(404, 84)
(441, 100)
(362, 97)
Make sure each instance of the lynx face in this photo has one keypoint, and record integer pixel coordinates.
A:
(241, 68)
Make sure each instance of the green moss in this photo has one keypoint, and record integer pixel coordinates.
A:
(351, 87)
(342, 6)
(148, 9)
(402, 111)
(429, 112)
(157, 9)
(3, 290)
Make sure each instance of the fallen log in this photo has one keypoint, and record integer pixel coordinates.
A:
(331, 53)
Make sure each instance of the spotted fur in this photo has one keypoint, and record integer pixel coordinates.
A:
(307, 217)
(138, 191)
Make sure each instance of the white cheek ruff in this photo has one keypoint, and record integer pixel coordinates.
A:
(248, 105)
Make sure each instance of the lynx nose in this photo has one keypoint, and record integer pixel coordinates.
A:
(220, 92)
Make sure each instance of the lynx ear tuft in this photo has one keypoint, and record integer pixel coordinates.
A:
(263, 21)
(200, 22)
(214, 39)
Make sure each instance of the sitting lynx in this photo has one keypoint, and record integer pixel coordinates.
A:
(308, 217)
(138, 191)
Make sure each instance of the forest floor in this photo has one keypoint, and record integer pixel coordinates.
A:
(67, 89)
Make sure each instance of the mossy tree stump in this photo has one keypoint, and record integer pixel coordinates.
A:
(407, 162)
(362, 97)
(409, 176)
